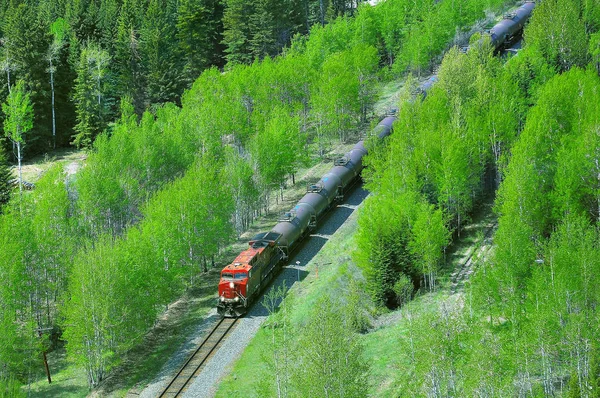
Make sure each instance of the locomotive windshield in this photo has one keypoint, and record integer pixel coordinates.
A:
(227, 275)
(241, 275)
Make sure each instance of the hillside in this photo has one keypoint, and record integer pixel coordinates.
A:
(91, 262)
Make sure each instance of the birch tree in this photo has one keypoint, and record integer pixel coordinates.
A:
(19, 120)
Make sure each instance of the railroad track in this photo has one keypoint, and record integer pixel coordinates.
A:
(196, 362)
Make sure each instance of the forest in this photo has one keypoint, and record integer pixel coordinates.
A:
(528, 324)
(176, 101)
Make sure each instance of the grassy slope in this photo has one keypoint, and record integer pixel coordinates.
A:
(250, 368)
(381, 343)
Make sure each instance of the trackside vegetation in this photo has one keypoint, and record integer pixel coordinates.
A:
(527, 324)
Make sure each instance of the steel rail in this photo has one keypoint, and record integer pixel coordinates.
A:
(183, 378)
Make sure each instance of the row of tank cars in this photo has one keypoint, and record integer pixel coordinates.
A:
(243, 280)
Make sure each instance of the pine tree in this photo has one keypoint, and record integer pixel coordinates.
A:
(27, 41)
(90, 99)
(200, 34)
(237, 34)
(5, 178)
(262, 26)
(128, 58)
(160, 53)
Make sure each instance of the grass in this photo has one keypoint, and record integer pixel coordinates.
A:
(68, 379)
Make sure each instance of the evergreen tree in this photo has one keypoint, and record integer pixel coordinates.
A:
(90, 95)
(27, 41)
(263, 28)
(5, 178)
(129, 68)
(161, 53)
(236, 31)
(108, 24)
(199, 31)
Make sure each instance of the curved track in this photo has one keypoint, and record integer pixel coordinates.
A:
(196, 362)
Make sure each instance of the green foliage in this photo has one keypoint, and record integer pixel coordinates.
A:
(355, 309)
(199, 31)
(90, 95)
(432, 171)
(329, 357)
(530, 317)
(25, 44)
(403, 288)
(11, 388)
(20, 345)
(574, 390)
(151, 263)
(429, 237)
(558, 31)
(160, 57)
(277, 148)
(594, 50)
(382, 247)
(163, 191)
(236, 33)
(19, 113)
(344, 95)
(93, 310)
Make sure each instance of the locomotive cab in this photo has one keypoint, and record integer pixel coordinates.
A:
(233, 288)
(242, 280)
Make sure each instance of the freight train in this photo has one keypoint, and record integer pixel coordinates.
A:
(243, 280)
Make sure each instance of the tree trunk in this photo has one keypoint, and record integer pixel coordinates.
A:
(322, 11)
(53, 110)
(20, 171)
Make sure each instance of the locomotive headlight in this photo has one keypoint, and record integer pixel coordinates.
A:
(222, 298)
(231, 285)
(237, 298)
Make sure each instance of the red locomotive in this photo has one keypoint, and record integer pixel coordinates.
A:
(242, 280)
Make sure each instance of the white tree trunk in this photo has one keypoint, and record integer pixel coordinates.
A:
(53, 111)
(20, 171)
